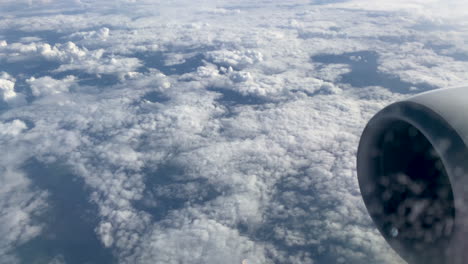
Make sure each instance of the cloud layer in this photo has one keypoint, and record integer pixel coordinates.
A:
(204, 132)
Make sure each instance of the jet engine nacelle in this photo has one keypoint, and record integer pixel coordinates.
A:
(412, 166)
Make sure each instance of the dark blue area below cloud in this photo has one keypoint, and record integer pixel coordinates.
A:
(88, 79)
(47, 36)
(167, 189)
(70, 220)
(156, 60)
(445, 50)
(35, 66)
(230, 97)
(156, 97)
(305, 224)
(365, 72)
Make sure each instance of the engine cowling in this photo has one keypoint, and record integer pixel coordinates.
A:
(412, 166)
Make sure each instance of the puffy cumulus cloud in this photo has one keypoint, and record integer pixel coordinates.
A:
(263, 167)
(7, 86)
(67, 52)
(417, 64)
(101, 34)
(19, 205)
(20, 202)
(61, 52)
(13, 128)
(235, 58)
(258, 86)
(54, 139)
(7, 91)
(154, 80)
(49, 86)
(18, 224)
(71, 57)
(105, 232)
(109, 65)
(283, 86)
(199, 241)
(93, 62)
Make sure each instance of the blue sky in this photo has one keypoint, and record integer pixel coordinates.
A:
(204, 131)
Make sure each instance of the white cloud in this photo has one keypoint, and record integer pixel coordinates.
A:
(101, 34)
(104, 231)
(19, 200)
(432, 9)
(201, 241)
(13, 128)
(268, 180)
(7, 91)
(7, 87)
(235, 58)
(48, 86)
(71, 57)
(417, 64)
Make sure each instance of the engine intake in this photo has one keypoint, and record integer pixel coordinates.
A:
(412, 166)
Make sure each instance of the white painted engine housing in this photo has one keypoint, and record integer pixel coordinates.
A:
(412, 166)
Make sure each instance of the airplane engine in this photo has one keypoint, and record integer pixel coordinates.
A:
(412, 166)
